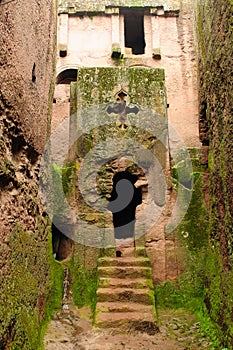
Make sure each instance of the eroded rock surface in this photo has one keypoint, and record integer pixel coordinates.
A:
(179, 330)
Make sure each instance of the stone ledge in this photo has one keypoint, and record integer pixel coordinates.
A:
(163, 8)
(156, 54)
(116, 51)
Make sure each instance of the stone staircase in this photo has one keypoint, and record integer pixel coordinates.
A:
(125, 298)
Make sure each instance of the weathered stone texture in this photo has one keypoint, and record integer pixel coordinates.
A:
(91, 37)
(27, 41)
(143, 87)
(27, 44)
(216, 95)
(99, 6)
(215, 36)
(27, 31)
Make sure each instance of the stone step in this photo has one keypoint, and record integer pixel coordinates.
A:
(140, 251)
(125, 297)
(136, 283)
(125, 271)
(124, 307)
(124, 261)
(129, 251)
(128, 321)
(144, 296)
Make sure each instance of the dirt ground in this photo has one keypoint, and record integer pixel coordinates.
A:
(72, 330)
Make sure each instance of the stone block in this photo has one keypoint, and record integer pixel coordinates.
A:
(116, 51)
(156, 54)
(160, 11)
(128, 51)
(112, 10)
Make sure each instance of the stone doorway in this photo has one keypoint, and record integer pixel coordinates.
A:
(125, 187)
(124, 199)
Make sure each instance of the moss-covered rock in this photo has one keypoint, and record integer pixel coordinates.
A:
(32, 280)
(215, 35)
(84, 278)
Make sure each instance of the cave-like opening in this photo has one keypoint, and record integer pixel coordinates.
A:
(134, 31)
(124, 199)
(62, 245)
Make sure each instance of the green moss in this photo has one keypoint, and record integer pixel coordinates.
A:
(200, 31)
(215, 48)
(19, 294)
(84, 284)
(7, 169)
(210, 160)
(67, 177)
(62, 184)
(96, 86)
(55, 290)
(27, 285)
(189, 289)
(203, 286)
(218, 297)
(194, 229)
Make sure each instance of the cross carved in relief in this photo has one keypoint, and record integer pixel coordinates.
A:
(120, 107)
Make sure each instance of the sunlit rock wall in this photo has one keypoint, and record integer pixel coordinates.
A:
(27, 32)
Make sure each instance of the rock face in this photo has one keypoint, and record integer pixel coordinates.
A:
(26, 79)
(216, 114)
(214, 30)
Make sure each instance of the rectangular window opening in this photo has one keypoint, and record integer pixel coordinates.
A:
(134, 31)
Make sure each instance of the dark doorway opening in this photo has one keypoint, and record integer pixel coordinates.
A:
(134, 31)
(125, 197)
(66, 76)
(62, 245)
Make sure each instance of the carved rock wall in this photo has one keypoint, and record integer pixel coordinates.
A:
(215, 54)
(93, 6)
(90, 36)
(214, 35)
(121, 97)
(26, 84)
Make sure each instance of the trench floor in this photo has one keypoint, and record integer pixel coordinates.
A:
(72, 330)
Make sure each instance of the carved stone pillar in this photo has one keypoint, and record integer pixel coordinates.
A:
(63, 34)
(155, 36)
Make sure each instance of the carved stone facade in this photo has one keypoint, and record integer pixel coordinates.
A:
(95, 41)
(91, 35)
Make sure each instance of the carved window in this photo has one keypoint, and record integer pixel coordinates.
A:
(134, 30)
